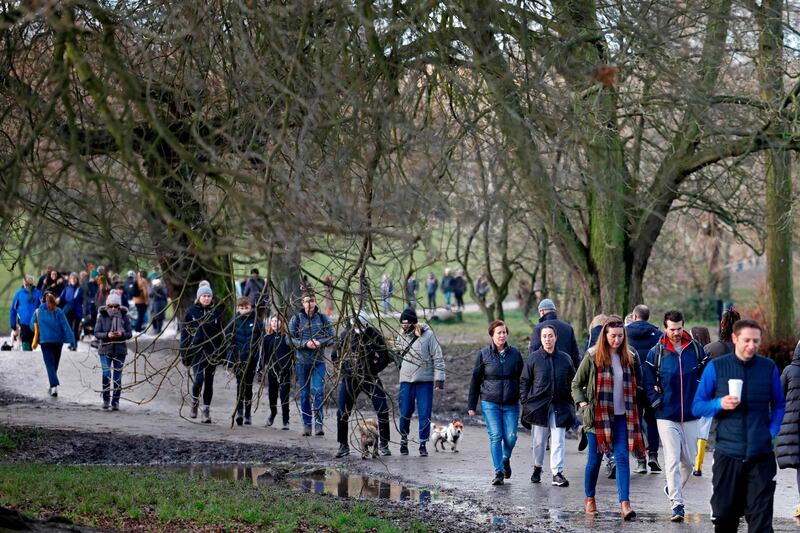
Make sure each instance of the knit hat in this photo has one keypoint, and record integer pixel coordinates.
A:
(547, 305)
(204, 290)
(409, 316)
(113, 298)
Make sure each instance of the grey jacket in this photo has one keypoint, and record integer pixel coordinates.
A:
(303, 328)
(424, 361)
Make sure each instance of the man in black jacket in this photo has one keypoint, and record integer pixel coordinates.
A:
(362, 354)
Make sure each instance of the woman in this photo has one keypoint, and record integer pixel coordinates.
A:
(276, 364)
(701, 335)
(605, 388)
(72, 299)
(547, 404)
(787, 449)
(53, 283)
(724, 345)
(495, 378)
(54, 331)
(113, 329)
(202, 343)
(158, 305)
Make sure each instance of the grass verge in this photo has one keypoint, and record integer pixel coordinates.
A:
(149, 499)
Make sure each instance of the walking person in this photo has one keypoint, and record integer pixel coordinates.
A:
(431, 286)
(328, 284)
(277, 358)
(113, 329)
(54, 332)
(310, 333)
(387, 288)
(202, 343)
(787, 449)
(743, 392)
(565, 342)
(245, 333)
(447, 287)
(496, 380)
(421, 370)
(459, 286)
(362, 354)
(23, 306)
(159, 299)
(547, 404)
(482, 288)
(605, 388)
(412, 285)
(255, 289)
(141, 299)
(671, 375)
(72, 299)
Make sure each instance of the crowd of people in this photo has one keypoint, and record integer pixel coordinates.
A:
(453, 286)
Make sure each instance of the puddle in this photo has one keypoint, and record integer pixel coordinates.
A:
(321, 481)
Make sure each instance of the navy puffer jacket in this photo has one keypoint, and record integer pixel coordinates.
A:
(245, 334)
(202, 338)
(788, 446)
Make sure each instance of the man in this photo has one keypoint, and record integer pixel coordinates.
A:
(387, 288)
(565, 341)
(671, 374)
(459, 286)
(642, 336)
(255, 291)
(421, 369)
(482, 287)
(23, 306)
(747, 423)
(411, 291)
(310, 332)
(447, 287)
(362, 354)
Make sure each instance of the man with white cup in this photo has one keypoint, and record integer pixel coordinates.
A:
(743, 392)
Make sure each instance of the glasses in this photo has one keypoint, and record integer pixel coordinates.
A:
(113, 306)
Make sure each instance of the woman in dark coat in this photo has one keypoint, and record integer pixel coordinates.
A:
(788, 445)
(113, 329)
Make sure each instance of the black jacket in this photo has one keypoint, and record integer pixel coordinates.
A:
(787, 449)
(718, 349)
(547, 379)
(565, 337)
(202, 338)
(495, 379)
(363, 353)
(107, 323)
(277, 355)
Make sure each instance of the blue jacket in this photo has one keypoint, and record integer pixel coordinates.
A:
(747, 431)
(23, 306)
(642, 336)
(303, 328)
(565, 337)
(72, 296)
(670, 388)
(245, 334)
(53, 326)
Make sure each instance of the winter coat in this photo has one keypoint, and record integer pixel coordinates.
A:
(72, 298)
(423, 362)
(244, 335)
(304, 328)
(431, 285)
(276, 354)
(254, 289)
(202, 336)
(53, 326)
(594, 334)
(642, 336)
(547, 380)
(447, 283)
(363, 353)
(23, 306)
(411, 287)
(143, 298)
(90, 298)
(671, 383)
(718, 349)
(459, 285)
(495, 379)
(106, 323)
(565, 337)
(158, 299)
(787, 449)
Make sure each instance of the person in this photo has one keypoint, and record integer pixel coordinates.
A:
(26, 301)
(421, 370)
(724, 344)
(141, 299)
(496, 381)
(411, 291)
(328, 284)
(605, 388)
(159, 298)
(362, 354)
(54, 282)
(310, 333)
(701, 335)
(128, 284)
(90, 291)
(595, 327)
(565, 341)
(202, 346)
(54, 332)
(447, 287)
(787, 447)
(459, 285)
(671, 373)
(113, 329)
(748, 420)
(276, 365)
(387, 288)
(431, 285)
(642, 336)
(40, 284)
(545, 388)
(482, 288)
(255, 291)
(244, 334)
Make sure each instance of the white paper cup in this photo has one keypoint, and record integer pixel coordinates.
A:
(735, 388)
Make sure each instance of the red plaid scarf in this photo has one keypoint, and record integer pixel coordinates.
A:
(604, 410)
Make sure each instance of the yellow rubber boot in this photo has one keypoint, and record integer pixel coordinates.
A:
(701, 455)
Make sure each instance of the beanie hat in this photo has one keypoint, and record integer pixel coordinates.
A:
(204, 290)
(409, 316)
(113, 298)
(547, 304)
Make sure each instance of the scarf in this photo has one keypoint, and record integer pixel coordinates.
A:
(604, 410)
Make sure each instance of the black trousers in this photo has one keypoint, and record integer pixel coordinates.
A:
(279, 383)
(743, 488)
(245, 373)
(348, 393)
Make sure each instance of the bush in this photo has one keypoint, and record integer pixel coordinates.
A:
(779, 351)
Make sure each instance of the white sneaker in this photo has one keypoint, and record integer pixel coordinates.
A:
(54, 392)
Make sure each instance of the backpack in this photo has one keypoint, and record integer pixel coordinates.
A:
(660, 353)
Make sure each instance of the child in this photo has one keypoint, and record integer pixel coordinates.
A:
(245, 334)
(276, 363)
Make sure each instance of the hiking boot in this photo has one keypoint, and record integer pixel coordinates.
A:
(205, 414)
(114, 406)
(498, 478)
(507, 468)
(384, 450)
(536, 477)
(106, 404)
(560, 481)
(653, 463)
(248, 420)
(677, 514)
(193, 410)
(423, 451)
(306, 431)
(641, 466)
(344, 451)
(271, 419)
(239, 420)
(404, 447)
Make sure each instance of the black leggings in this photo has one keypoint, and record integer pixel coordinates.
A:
(245, 373)
(279, 383)
(203, 378)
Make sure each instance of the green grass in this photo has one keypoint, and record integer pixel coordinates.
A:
(111, 497)
(7, 442)
(475, 326)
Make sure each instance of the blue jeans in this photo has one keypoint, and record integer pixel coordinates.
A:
(51, 353)
(109, 363)
(501, 423)
(421, 395)
(619, 437)
(447, 298)
(311, 381)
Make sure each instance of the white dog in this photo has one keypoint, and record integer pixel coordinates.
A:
(451, 433)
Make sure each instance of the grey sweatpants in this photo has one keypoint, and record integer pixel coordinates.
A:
(679, 443)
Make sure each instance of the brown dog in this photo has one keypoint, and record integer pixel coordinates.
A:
(451, 433)
(369, 437)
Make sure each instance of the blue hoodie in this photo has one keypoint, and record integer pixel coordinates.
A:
(53, 326)
(24, 304)
(642, 335)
